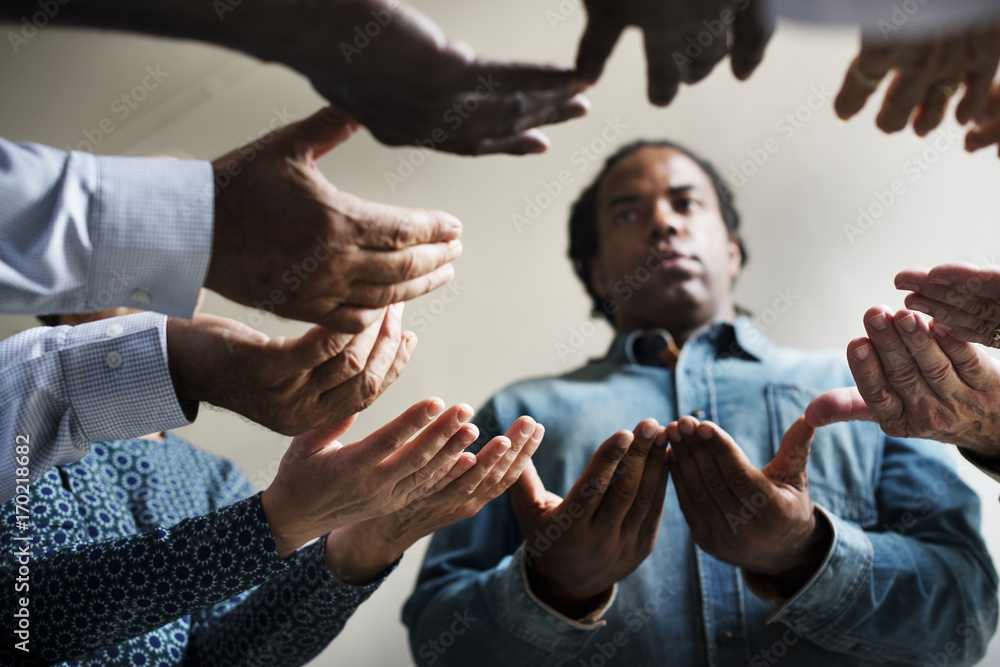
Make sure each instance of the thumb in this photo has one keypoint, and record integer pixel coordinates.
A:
(789, 463)
(838, 405)
(320, 438)
(321, 132)
(527, 495)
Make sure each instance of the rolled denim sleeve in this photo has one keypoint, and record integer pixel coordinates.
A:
(81, 233)
(65, 387)
(924, 561)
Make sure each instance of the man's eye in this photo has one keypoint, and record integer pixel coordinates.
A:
(684, 205)
(625, 217)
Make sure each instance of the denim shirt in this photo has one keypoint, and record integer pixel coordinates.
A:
(907, 580)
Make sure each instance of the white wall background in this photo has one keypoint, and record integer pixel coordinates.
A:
(517, 299)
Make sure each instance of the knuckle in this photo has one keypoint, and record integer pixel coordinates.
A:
(353, 361)
(405, 232)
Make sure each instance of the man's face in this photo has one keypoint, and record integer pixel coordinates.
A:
(665, 258)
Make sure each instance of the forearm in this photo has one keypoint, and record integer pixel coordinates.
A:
(284, 622)
(245, 25)
(145, 580)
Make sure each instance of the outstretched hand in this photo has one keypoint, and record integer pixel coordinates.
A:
(606, 525)
(763, 521)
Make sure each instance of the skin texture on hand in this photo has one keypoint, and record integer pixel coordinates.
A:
(322, 484)
(917, 381)
(924, 69)
(760, 520)
(607, 523)
(963, 299)
(359, 553)
(671, 31)
(286, 237)
(289, 385)
(409, 84)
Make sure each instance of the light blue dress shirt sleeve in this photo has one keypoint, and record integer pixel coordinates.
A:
(83, 233)
(65, 387)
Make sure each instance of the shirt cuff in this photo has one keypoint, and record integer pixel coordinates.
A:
(522, 614)
(836, 582)
(151, 223)
(118, 381)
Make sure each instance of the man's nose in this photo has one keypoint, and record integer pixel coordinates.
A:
(666, 221)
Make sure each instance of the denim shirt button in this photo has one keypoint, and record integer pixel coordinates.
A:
(724, 637)
(698, 414)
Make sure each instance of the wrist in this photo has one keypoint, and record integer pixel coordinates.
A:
(286, 541)
(359, 554)
(182, 360)
(572, 604)
(807, 558)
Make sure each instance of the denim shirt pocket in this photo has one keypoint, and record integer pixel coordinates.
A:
(843, 461)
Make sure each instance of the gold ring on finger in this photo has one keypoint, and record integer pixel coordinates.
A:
(863, 77)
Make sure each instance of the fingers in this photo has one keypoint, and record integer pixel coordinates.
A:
(622, 492)
(983, 136)
(663, 73)
(371, 295)
(320, 438)
(904, 94)
(389, 267)
(333, 367)
(362, 389)
(527, 495)
(321, 132)
(935, 366)
(402, 359)
(964, 297)
(471, 481)
(445, 467)
(752, 31)
(651, 485)
(971, 363)
(861, 79)
(385, 227)
(351, 319)
(393, 435)
(978, 84)
(496, 477)
(596, 45)
(789, 463)
(592, 484)
(838, 405)
(418, 463)
(931, 112)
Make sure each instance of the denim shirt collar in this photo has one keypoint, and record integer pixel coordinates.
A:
(642, 347)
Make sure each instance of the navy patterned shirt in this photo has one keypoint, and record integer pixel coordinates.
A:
(152, 553)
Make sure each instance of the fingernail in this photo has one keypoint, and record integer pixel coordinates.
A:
(454, 248)
(944, 282)
(648, 430)
(942, 326)
(435, 408)
(539, 432)
(908, 323)
(527, 427)
(503, 445)
(878, 322)
(910, 287)
(464, 413)
(939, 330)
(862, 352)
(411, 342)
(920, 308)
(468, 435)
